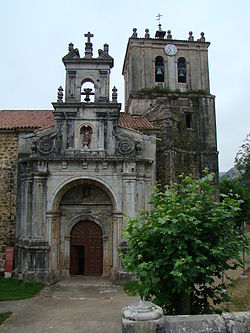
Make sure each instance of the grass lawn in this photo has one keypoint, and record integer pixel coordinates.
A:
(4, 315)
(240, 295)
(11, 289)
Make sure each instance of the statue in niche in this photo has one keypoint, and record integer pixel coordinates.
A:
(86, 132)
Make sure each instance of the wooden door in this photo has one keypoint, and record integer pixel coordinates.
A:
(86, 249)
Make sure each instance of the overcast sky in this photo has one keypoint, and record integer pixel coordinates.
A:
(35, 36)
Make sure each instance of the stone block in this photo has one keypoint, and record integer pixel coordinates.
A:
(237, 322)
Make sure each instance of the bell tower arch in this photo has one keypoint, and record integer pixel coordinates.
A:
(95, 70)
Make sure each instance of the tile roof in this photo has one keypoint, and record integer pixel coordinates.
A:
(40, 119)
(133, 122)
(22, 119)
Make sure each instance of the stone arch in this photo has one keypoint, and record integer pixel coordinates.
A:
(82, 217)
(159, 69)
(88, 83)
(69, 183)
(182, 70)
(62, 218)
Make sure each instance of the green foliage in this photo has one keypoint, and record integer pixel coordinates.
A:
(4, 316)
(182, 245)
(234, 187)
(11, 289)
(242, 160)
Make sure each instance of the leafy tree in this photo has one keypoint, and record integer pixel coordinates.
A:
(238, 190)
(242, 160)
(240, 186)
(179, 247)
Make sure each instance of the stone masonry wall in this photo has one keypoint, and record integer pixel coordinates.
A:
(146, 317)
(8, 181)
(187, 130)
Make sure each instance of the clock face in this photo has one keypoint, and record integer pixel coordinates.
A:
(170, 49)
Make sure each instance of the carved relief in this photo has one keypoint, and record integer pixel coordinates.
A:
(125, 146)
(45, 146)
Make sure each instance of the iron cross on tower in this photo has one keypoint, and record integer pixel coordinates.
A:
(89, 35)
(158, 17)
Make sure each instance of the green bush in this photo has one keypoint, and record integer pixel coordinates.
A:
(182, 244)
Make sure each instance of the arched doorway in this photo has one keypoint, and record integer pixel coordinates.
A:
(86, 249)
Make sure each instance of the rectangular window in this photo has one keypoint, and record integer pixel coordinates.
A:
(188, 120)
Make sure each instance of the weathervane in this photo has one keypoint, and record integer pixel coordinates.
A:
(158, 17)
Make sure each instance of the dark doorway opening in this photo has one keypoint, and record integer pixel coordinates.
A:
(77, 259)
(86, 249)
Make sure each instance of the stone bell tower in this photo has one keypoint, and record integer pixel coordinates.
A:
(87, 69)
(87, 114)
(167, 80)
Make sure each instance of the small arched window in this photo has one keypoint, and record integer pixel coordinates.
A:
(87, 91)
(182, 72)
(159, 69)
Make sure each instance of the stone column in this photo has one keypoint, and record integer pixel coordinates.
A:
(26, 215)
(147, 191)
(104, 86)
(100, 135)
(39, 206)
(67, 254)
(141, 193)
(129, 203)
(107, 258)
(53, 236)
(171, 73)
(117, 219)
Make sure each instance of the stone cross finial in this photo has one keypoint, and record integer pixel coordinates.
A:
(60, 95)
(89, 35)
(87, 92)
(114, 95)
(88, 46)
(191, 37)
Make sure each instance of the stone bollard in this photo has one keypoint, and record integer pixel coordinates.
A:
(142, 317)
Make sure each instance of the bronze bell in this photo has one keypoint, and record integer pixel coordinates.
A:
(159, 71)
(181, 72)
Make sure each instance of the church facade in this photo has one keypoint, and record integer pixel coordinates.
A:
(79, 169)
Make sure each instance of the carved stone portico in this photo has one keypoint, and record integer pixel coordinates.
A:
(80, 209)
(80, 177)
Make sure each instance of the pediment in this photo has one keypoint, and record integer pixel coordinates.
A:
(73, 54)
(104, 55)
